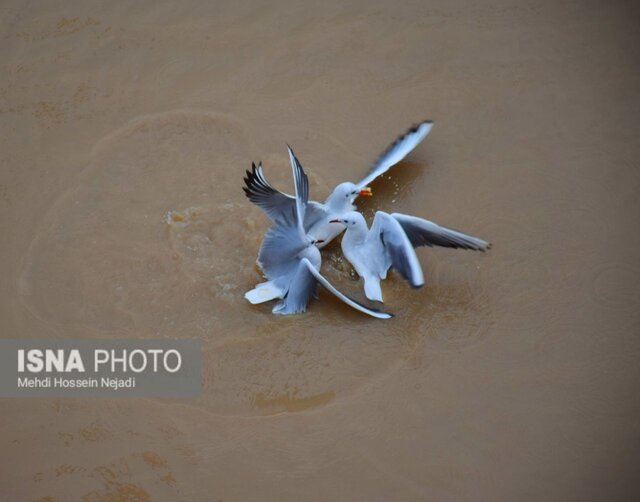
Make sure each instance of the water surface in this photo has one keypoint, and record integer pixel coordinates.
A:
(125, 131)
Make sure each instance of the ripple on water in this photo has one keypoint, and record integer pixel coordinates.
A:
(156, 240)
(104, 257)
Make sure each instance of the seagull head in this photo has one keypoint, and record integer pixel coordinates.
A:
(352, 219)
(344, 195)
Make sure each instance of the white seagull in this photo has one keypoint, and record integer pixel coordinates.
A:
(291, 261)
(390, 243)
(279, 205)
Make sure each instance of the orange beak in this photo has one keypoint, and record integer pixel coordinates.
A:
(366, 191)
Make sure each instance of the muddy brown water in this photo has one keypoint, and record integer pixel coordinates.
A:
(512, 375)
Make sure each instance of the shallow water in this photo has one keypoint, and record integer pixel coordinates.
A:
(125, 133)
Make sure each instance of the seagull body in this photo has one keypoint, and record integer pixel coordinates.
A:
(390, 243)
(291, 261)
(279, 206)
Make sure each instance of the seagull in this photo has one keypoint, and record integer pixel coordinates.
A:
(279, 205)
(291, 261)
(390, 243)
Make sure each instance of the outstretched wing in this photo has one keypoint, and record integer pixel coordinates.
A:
(278, 206)
(427, 233)
(302, 287)
(397, 151)
(301, 186)
(398, 247)
(349, 301)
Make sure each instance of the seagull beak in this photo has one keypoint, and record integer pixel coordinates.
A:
(366, 191)
(335, 221)
(319, 241)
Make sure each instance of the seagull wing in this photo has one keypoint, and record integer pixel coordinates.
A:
(301, 185)
(278, 251)
(398, 247)
(349, 301)
(427, 233)
(397, 151)
(278, 206)
(302, 287)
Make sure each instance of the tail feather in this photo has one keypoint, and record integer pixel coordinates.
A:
(264, 292)
(372, 288)
(286, 308)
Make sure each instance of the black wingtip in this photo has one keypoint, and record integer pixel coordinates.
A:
(378, 311)
(419, 125)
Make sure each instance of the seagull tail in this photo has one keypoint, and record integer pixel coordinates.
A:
(285, 308)
(372, 288)
(264, 292)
